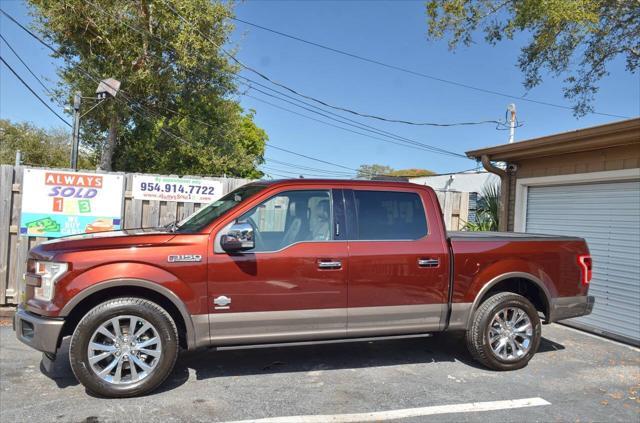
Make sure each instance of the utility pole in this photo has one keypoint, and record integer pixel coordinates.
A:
(18, 157)
(77, 99)
(108, 88)
(511, 109)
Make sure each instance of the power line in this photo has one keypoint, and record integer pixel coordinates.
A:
(271, 174)
(47, 89)
(24, 28)
(314, 169)
(145, 112)
(90, 76)
(342, 174)
(95, 79)
(345, 129)
(309, 157)
(324, 103)
(360, 125)
(378, 130)
(47, 45)
(33, 92)
(352, 169)
(413, 72)
(281, 149)
(270, 168)
(299, 169)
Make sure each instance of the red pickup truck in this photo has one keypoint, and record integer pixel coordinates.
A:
(291, 261)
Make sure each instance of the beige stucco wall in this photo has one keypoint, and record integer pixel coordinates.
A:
(612, 158)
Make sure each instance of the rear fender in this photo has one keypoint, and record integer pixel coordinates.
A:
(462, 313)
(506, 269)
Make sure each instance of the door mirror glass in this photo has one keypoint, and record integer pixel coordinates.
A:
(238, 238)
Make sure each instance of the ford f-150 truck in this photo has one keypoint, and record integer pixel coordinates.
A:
(294, 261)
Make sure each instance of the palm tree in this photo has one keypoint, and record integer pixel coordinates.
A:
(487, 210)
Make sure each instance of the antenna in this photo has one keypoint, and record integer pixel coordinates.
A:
(511, 109)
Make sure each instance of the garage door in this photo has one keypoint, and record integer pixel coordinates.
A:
(607, 215)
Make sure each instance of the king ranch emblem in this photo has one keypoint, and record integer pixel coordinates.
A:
(179, 258)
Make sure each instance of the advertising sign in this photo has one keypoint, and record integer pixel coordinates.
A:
(58, 203)
(171, 188)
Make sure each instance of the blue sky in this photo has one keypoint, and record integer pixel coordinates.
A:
(391, 32)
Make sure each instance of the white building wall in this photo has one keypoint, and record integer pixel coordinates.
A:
(464, 182)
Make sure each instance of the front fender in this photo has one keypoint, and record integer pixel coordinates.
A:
(129, 274)
(153, 275)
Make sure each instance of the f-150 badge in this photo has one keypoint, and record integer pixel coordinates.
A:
(183, 258)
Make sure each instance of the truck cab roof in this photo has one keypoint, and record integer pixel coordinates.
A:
(352, 182)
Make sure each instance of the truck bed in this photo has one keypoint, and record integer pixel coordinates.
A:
(481, 257)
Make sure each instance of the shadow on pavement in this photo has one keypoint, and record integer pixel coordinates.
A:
(210, 363)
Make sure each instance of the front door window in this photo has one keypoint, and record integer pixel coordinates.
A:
(290, 217)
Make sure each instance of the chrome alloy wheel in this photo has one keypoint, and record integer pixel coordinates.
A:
(124, 349)
(510, 334)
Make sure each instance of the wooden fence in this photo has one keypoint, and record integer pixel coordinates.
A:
(136, 213)
(458, 208)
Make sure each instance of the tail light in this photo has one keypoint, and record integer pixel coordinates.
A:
(586, 266)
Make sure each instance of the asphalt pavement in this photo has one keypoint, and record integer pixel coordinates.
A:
(574, 377)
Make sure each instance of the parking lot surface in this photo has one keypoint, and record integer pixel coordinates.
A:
(574, 377)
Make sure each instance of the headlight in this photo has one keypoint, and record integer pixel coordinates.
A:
(49, 273)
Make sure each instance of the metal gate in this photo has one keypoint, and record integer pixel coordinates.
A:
(607, 215)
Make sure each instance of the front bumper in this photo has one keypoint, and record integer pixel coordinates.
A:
(567, 307)
(41, 333)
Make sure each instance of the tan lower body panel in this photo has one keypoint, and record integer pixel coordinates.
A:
(307, 325)
(277, 326)
(391, 320)
(460, 313)
(202, 336)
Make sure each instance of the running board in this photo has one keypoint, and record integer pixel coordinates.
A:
(321, 342)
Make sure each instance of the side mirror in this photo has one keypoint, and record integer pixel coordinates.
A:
(238, 238)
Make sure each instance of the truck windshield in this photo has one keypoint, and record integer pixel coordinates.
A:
(207, 214)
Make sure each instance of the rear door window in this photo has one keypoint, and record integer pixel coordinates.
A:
(389, 215)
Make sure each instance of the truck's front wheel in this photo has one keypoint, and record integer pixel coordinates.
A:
(124, 347)
(505, 332)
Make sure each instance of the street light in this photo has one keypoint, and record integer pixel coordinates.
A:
(107, 88)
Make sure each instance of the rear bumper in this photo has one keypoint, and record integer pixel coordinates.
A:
(40, 333)
(567, 307)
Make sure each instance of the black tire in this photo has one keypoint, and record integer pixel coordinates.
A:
(478, 335)
(138, 307)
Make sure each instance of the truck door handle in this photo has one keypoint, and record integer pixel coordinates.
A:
(334, 264)
(428, 262)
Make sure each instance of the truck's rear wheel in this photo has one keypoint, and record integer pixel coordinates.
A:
(505, 332)
(124, 347)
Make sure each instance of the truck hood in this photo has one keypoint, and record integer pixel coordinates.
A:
(102, 240)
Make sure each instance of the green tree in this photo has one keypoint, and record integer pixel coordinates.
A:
(369, 171)
(572, 37)
(176, 112)
(487, 210)
(39, 147)
(412, 173)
